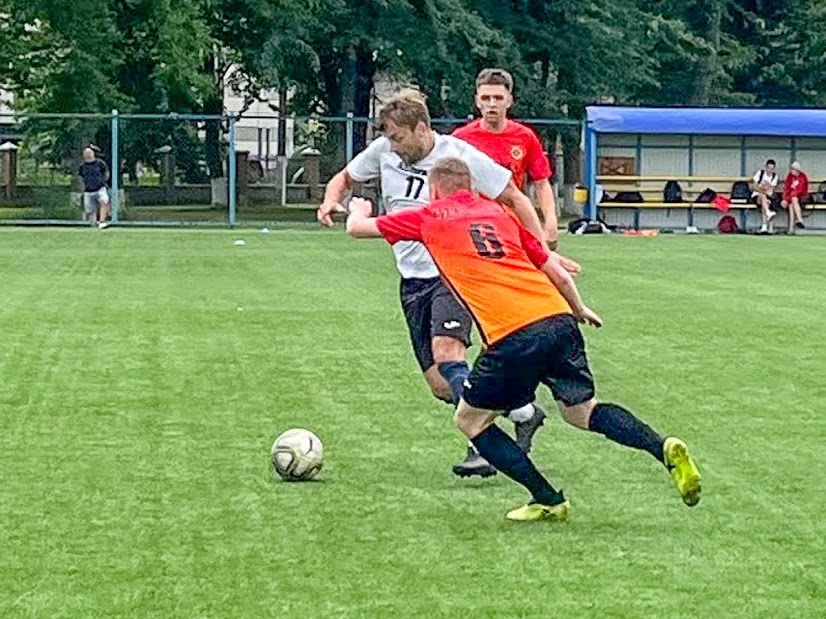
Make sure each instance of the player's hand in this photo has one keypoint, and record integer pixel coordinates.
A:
(324, 214)
(360, 206)
(588, 316)
(569, 265)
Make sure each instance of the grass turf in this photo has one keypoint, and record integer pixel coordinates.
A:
(145, 373)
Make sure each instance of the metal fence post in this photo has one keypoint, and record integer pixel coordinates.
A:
(232, 174)
(115, 171)
(349, 136)
(591, 170)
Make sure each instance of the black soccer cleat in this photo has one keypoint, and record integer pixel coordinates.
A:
(474, 464)
(526, 429)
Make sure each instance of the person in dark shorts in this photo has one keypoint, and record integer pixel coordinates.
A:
(439, 326)
(527, 307)
(95, 174)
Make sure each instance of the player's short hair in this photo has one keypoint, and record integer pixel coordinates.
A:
(494, 77)
(771, 162)
(407, 108)
(450, 174)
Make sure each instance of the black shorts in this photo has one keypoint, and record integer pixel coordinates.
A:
(550, 351)
(431, 309)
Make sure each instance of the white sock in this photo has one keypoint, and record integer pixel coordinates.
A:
(521, 415)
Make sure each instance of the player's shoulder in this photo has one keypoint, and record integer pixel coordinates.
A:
(468, 129)
(521, 129)
(453, 144)
(380, 144)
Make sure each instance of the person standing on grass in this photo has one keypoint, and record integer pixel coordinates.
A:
(795, 189)
(527, 307)
(95, 174)
(438, 324)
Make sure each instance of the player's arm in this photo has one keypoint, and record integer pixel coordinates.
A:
(522, 207)
(540, 173)
(334, 193)
(547, 204)
(360, 224)
(404, 225)
(529, 213)
(496, 182)
(566, 286)
(550, 264)
(364, 167)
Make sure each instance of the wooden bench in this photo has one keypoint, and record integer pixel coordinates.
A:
(691, 186)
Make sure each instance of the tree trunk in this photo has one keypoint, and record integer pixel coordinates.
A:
(214, 104)
(709, 22)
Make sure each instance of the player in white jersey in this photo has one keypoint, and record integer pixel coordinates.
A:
(439, 325)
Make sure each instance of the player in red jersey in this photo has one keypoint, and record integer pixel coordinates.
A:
(514, 146)
(526, 306)
(511, 144)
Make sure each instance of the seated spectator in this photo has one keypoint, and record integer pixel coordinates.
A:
(764, 184)
(795, 189)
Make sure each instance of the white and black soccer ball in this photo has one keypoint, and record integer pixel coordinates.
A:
(297, 455)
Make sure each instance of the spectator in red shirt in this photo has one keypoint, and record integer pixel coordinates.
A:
(795, 188)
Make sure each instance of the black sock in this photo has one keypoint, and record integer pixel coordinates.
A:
(455, 373)
(502, 452)
(620, 425)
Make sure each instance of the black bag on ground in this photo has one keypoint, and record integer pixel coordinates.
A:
(672, 192)
(584, 225)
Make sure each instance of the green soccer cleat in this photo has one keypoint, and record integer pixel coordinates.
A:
(683, 470)
(536, 511)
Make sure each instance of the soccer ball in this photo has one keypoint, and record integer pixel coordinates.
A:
(297, 454)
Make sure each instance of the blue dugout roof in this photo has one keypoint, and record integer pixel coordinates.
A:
(708, 121)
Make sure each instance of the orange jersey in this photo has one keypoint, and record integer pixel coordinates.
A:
(490, 261)
(516, 148)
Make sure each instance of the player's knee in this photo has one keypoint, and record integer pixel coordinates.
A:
(439, 387)
(578, 415)
(446, 349)
(470, 421)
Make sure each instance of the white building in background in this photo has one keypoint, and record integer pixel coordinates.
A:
(6, 123)
(257, 130)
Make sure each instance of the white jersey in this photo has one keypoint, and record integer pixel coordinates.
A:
(405, 186)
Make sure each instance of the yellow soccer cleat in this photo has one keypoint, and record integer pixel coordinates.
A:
(535, 511)
(683, 470)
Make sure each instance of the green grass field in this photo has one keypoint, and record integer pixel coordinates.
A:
(145, 373)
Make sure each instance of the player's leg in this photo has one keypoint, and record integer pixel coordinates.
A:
(763, 202)
(798, 213)
(415, 300)
(90, 207)
(103, 201)
(450, 326)
(573, 387)
(503, 377)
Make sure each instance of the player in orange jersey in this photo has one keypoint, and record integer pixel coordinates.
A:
(527, 307)
(511, 144)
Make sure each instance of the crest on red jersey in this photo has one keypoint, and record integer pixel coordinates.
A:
(517, 153)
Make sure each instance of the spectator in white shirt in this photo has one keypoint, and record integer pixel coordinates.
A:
(765, 182)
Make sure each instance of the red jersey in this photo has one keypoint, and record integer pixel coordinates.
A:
(796, 186)
(516, 148)
(489, 260)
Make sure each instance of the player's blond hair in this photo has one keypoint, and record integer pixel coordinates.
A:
(494, 77)
(407, 108)
(449, 175)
